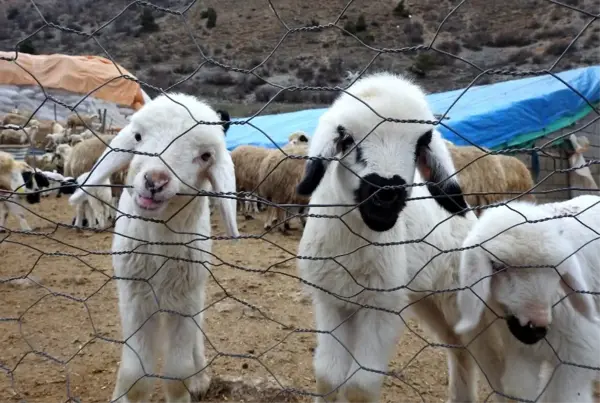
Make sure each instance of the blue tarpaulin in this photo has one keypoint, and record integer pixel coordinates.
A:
(491, 116)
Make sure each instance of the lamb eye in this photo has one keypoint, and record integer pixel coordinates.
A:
(344, 140)
(496, 267)
(205, 157)
(138, 137)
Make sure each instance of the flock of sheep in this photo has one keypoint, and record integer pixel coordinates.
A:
(415, 247)
(271, 175)
(72, 148)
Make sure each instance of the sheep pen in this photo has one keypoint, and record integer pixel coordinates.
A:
(63, 301)
(79, 323)
(60, 339)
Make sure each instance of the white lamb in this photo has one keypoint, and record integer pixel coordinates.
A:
(172, 253)
(13, 187)
(411, 239)
(55, 139)
(60, 184)
(516, 256)
(96, 207)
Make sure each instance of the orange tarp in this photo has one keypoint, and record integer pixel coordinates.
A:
(78, 74)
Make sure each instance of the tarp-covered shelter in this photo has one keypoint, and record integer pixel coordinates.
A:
(495, 116)
(68, 79)
(78, 74)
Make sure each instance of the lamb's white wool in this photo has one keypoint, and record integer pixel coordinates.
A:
(523, 259)
(192, 156)
(376, 153)
(10, 203)
(54, 176)
(297, 138)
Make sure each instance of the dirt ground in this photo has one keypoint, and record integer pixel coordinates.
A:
(50, 325)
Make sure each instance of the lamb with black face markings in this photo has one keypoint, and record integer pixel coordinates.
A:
(527, 263)
(401, 175)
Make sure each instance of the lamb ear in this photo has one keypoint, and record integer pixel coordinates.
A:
(573, 280)
(475, 271)
(315, 169)
(313, 174)
(435, 164)
(222, 178)
(224, 116)
(109, 162)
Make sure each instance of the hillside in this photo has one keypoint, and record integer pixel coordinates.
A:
(164, 49)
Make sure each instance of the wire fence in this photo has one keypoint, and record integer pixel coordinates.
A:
(358, 298)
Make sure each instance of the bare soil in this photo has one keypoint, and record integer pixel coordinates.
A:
(59, 327)
(52, 350)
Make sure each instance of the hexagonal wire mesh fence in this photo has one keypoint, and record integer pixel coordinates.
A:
(404, 232)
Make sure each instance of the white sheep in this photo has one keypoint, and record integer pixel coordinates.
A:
(171, 253)
(96, 207)
(75, 120)
(343, 262)
(56, 138)
(16, 179)
(88, 134)
(59, 184)
(514, 259)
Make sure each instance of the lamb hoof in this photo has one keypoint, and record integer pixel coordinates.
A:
(248, 217)
(199, 387)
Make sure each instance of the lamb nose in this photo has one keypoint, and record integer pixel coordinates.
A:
(149, 183)
(156, 182)
(385, 197)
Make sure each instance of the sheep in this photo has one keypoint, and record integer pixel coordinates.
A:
(13, 137)
(82, 157)
(75, 139)
(18, 119)
(88, 134)
(61, 155)
(42, 182)
(247, 160)
(518, 178)
(193, 156)
(56, 139)
(16, 180)
(225, 118)
(490, 178)
(46, 162)
(45, 127)
(225, 121)
(19, 136)
(11, 180)
(298, 137)
(34, 180)
(278, 176)
(514, 259)
(342, 264)
(74, 121)
(61, 184)
(96, 206)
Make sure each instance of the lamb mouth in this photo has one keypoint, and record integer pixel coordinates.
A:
(148, 203)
